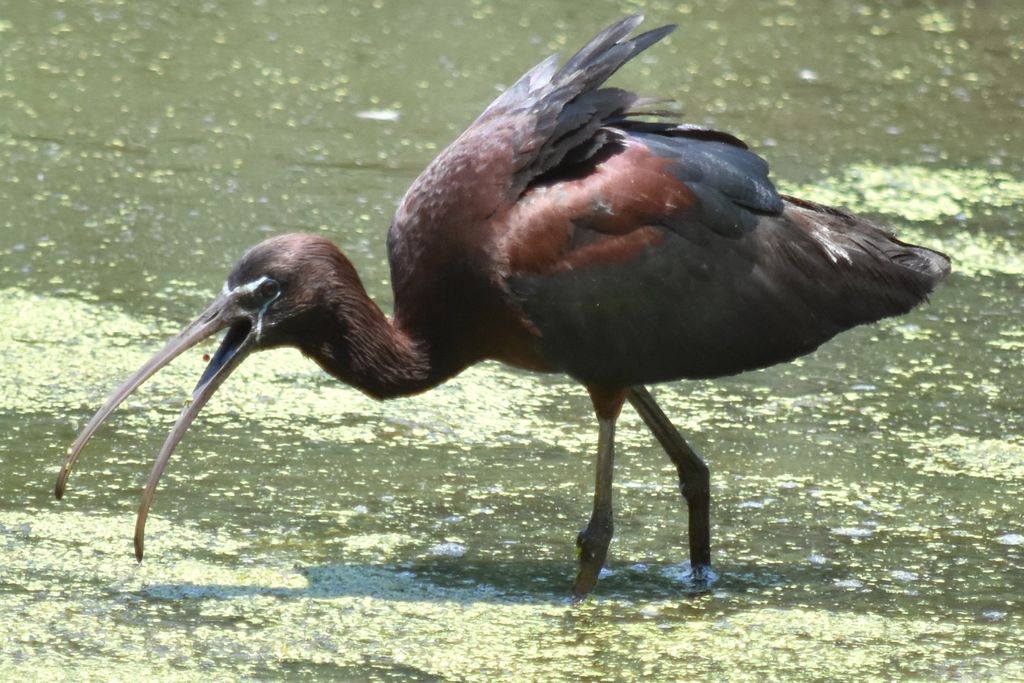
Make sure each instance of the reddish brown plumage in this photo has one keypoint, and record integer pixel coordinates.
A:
(603, 217)
(562, 233)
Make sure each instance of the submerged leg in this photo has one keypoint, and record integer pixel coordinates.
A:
(694, 477)
(592, 543)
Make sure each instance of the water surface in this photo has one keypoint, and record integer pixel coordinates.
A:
(867, 514)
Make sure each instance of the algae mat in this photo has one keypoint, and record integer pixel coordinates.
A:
(867, 498)
(183, 619)
(431, 539)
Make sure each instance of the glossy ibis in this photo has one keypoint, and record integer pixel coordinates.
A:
(566, 231)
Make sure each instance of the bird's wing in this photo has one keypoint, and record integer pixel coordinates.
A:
(551, 121)
(635, 251)
(675, 257)
(559, 114)
(550, 118)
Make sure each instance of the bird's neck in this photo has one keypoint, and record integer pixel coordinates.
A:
(357, 343)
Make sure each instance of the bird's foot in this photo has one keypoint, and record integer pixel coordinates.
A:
(592, 550)
(700, 576)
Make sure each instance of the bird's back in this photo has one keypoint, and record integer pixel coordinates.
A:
(562, 232)
(698, 304)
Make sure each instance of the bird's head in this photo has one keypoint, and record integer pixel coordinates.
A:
(273, 292)
(270, 292)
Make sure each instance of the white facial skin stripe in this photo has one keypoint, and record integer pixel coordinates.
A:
(249, 288)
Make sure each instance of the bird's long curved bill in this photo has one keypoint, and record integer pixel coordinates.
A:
(233, 349)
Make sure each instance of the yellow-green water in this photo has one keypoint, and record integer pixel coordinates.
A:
(867, 511)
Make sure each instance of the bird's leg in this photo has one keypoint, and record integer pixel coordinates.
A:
(694, 478)
(592, 543)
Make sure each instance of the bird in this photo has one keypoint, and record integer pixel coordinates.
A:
(569, 229)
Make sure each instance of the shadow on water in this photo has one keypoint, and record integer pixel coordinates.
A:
(537, 582)
(737, 587)
(370, 668)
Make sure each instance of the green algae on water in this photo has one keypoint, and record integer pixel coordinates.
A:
(259, 619)
(916, 193)
(919, 195)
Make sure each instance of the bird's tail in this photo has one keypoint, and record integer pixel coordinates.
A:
(886, 276)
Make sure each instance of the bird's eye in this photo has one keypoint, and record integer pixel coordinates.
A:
(268, 290)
